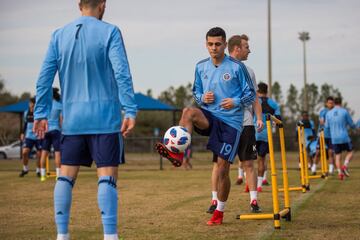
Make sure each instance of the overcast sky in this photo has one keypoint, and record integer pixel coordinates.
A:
(165, 39)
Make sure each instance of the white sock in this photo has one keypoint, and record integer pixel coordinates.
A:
(63, 236)
(331, 168)
(313, 168)
(25, 168)
(259, 182)
(57, 172)
(43, 172)
(339, 171)
(37, 170)
(241, 173)
(265, 175)
(214, 195)
(346, 162)
(220, 206)
(253, 195)
(111, 237)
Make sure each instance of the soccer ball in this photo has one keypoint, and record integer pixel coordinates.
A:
(177, 139)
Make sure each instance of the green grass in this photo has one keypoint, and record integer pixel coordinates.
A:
(171, 204)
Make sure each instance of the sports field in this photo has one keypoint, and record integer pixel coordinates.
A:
(171, 204)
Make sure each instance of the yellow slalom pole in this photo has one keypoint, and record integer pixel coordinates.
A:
(324, 154)
(302, 168)
(47, 166)
(256, 216)
(285, 173)
(306, 171)
(273, 175)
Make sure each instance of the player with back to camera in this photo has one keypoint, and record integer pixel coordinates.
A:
(95, 82)
(222, 89)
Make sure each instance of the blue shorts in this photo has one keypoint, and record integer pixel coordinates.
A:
(223, 139)
(339, 148)
(30, 143)
(52, 138)
(262, 148)
(328, 144)
(107, 150)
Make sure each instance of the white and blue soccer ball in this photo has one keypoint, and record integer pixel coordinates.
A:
(177, 139)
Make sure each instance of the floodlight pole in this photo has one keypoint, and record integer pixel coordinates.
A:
(269, 50)
(304, 36)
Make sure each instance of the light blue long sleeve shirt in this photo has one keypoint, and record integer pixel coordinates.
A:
(322, 116)
(262, 135)
(95, 79)
(54, 116)
(337, 120)
(228, 80)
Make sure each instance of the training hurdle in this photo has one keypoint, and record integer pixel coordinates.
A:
(277, 213)
(49, 173)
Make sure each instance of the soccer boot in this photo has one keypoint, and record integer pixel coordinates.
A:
(341, 176)
(212, 207)
(265, 183)
(23, 173)
(239, 181)
(42, 178)
(345, 171)
(216, 218)
(259, 189)
(254, 206)
(38, 174)
(175, 158)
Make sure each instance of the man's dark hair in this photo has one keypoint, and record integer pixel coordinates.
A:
(329, 98)
(262, 88)
(338, 100)
(32, 100)
(216, 32)
(90, 3)
(56, 94)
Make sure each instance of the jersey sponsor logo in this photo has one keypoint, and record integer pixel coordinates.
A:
(226, 76)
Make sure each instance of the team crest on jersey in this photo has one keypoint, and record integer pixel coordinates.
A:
(226, 76)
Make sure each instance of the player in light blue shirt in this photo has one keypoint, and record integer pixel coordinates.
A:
(95, 81)
(52, 136)
(222, 89)
(322, 118)
(29, 140)
(338, 120)
(268, 106)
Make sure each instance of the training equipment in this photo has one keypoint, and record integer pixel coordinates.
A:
(177, 139)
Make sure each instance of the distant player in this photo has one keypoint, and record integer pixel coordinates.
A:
(29, 141)
(309, 135)
(268, 106)
(322, 118)
(96, 84)
(337, 120)
(52, 137)
(222, 88)
(238, 47)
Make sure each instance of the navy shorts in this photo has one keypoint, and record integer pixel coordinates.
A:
(339, 148)
(30, 143)
(223, 139)
(262, 148)
(107, 150)
(328, 144)
(247, 149)
(52, 138)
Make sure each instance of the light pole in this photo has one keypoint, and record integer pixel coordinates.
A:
(304, 36)
(269, 49)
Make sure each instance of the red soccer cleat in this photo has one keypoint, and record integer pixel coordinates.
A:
(259, 189)
(341, 176)
(175, 158)
(246, 188)
(239, 181)
(265, 183)
(345, 171)
(216, 218)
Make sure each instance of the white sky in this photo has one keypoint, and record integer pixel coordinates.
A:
(165, 39)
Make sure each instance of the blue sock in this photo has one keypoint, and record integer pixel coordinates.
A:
(62, 203)
(108, 202)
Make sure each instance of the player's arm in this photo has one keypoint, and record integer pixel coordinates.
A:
(198, 92)
(349, 120)
(258, 113)
(120, 66)
(44, 90)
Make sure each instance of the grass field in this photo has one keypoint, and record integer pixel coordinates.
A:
(171, 204)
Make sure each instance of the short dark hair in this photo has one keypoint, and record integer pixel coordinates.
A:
(56, 94)
(216, 32)
(32, 100)
(262, 88)
(91, 3)
(330, 98)
(236, 41)
(338, 100)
